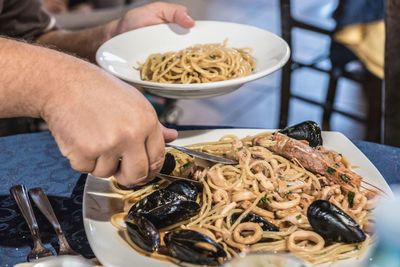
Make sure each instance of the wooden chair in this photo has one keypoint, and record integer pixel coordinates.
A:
(339, 56)
(392, 74)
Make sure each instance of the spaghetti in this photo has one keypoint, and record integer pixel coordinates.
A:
(201, 63)
(270, 186)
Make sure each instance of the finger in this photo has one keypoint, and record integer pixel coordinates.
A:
(177, 14)
(155, 147)
(81, 164)
(134, 166)
(169, 134)
(106, 165)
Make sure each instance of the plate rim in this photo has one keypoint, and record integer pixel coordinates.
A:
(202, 86)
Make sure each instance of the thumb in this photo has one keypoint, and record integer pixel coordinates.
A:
(169, 134)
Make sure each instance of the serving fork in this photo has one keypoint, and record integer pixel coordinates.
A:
(202, 155)
(21, 197)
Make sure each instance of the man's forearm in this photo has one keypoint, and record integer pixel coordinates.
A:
(83, 43)
(31, 75)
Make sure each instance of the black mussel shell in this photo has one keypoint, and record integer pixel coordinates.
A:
(183, 188)
(178, 190)
(154, 200)
(266, 225)
(169, 164)
(173, 212)
(307, 130)
(194, 247)
(332, 223)
(143, 233)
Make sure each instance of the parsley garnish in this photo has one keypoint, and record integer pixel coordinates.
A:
(298, 217)
(212, 56)
(345, 178)
(275, 216)
(357, 247)
(186, 164)
(330, 170)
(264, 199)
(163, 58)
(350, 198)
(155, 185)
(239, 148)
(288, 185)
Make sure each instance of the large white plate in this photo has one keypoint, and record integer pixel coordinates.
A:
(122, 53)
(99, 203)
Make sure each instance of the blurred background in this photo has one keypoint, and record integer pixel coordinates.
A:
(334, 76)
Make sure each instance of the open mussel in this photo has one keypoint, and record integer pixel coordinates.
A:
(307, 130)
(265, 225)
(332, 223)
(143, 233)
(193, 247)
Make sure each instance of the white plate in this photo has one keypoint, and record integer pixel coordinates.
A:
(99, 203)
(121, 54)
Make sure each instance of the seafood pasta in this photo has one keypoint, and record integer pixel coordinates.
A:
(285, 195)
(200, 63)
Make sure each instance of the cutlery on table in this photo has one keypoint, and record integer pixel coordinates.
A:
(24, 204)
(205, 156)
(42, 202)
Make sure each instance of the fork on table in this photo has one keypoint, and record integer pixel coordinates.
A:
(38, 251)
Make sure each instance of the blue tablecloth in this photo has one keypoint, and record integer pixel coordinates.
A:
(34, 160)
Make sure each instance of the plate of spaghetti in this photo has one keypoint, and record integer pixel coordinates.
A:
(286, 195)
(212, 58)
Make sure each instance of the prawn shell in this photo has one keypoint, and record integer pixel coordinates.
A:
(332, 223)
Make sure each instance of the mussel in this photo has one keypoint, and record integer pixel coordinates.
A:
(307, 130)
(332, 223)
(143, 233)
(194, 247)
(169, 164)
(168, 206)
(265, 225)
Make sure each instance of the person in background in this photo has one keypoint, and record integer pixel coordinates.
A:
(101, 124)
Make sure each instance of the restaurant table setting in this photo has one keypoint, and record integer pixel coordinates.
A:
(35, 161)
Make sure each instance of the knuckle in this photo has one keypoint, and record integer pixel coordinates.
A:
(157, 164)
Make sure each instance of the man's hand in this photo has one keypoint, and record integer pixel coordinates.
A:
(106, 127)
(101, 124)
(85, 43)
(152, 14)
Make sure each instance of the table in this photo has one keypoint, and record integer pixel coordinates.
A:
(35, 160)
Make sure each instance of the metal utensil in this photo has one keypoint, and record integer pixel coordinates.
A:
(22, 199)
(42, 202)
(203, 155)
(172, 178)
